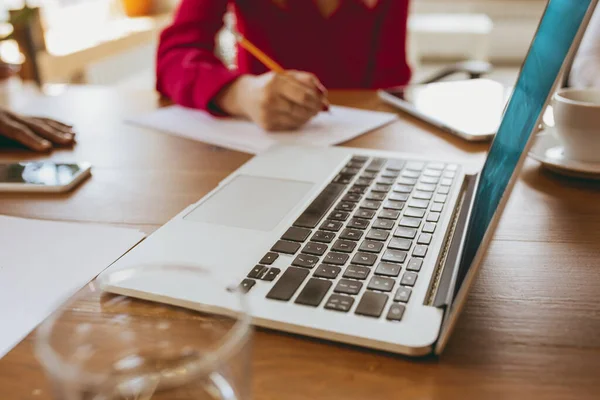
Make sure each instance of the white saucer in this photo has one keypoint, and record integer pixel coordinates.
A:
(548, 151)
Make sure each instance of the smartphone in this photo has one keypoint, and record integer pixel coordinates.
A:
(42, 176)
(471, 109)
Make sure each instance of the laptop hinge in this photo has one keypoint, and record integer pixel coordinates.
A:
(442, 289)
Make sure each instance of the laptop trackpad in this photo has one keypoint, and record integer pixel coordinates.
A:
(251, 202)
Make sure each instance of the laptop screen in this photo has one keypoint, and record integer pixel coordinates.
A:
(548, 52)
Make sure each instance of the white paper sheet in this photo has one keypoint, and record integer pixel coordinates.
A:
(42, 263)
(326, 129)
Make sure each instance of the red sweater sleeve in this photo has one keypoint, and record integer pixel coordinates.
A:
(187, 70)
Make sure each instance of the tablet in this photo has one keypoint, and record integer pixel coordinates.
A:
(471, 109)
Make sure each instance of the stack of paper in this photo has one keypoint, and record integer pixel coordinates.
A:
(42, 263)
(326, 129)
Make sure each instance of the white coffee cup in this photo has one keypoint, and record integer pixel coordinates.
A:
(577, 123)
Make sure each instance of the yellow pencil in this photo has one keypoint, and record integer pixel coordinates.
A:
(256, 52)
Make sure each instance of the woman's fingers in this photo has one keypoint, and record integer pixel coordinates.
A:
(22, 134)
(45, 130)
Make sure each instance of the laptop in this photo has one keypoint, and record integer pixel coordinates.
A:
(370, 248)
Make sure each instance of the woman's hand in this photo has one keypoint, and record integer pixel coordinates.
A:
(274, 101)
(39, 134)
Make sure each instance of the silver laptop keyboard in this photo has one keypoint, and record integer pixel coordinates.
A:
(373, 225)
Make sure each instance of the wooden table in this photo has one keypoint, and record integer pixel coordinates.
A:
(531, 327)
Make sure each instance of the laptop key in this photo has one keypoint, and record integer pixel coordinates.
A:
(327, 271)
(426, 187)
(358, 223)
(343, 178)
(286, 247)
(393, 205)
(351, 170)
(339, 215)
(323, 237)
(446, 182)
(376, 196)
(381, 188)
(414, 264)
(405, 232)
(296, 234)
(313, 293)
(351, 234)
(409, 278)
(258, 272)
(411, 174)
(444, 190)
(246, 285)
(371, 204)
(381, 283)
(339, 302)
(395, 256)
(353, 197)
(369, 175)
(385, 181)
(371, 304)
(288, 284)
(376, 234)
(395, 165)
(407, 181)
(364, 259)
(271, 274)
(269, 258)
(451, 167)
(357, 272)
(395, 312)
(402, 294)
(370, 246)
(366, 214)
(345, 206)
(336, 258)
(430, 179)
(437, 207)
(418, 203)
(424, 238)
(376, 164)
(305, 260)
(388, 173)
(389, 214)
(357, 189)
(415, 166)
(359, 159)
(315, 212)
(414, 212)
(422, 195)
(330, 225)
(348, 286)
(344, 246)
(437, 166)
(387, 269)
(400, 244)
(432, 172)
(403, 188)
(363, 182)
(317, 249)
(410, 222)
(433, 217)
(440, 198)
(429, 227)
(384, 224)
(420, 250)
(398, 196)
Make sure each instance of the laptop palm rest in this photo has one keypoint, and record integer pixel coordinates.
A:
(251, 202)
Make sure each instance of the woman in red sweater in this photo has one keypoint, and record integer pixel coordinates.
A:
(324, 43)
